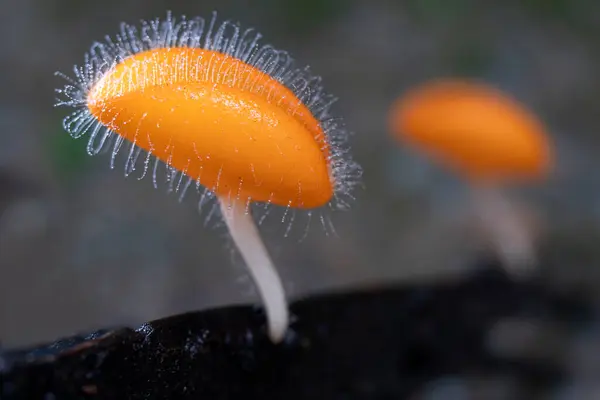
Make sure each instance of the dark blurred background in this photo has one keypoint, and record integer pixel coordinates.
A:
(82, 247)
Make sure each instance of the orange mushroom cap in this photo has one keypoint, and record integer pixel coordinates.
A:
(221, 121)
(473, 129)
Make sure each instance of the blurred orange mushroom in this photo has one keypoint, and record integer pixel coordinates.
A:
(486, 137)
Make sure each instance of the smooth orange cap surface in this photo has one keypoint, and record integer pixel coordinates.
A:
(221, 121)
(473, 129)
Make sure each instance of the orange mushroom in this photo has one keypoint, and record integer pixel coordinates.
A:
(486, 137)
(221, 110)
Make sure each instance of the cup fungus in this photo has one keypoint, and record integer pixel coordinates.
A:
(214, 107)
(486, 137)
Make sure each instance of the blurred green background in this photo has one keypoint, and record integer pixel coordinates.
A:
(83, 247)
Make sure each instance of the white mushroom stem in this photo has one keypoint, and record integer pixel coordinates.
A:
(509, 233)
(247, 238)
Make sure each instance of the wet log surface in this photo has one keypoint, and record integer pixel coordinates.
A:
(383, 344)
